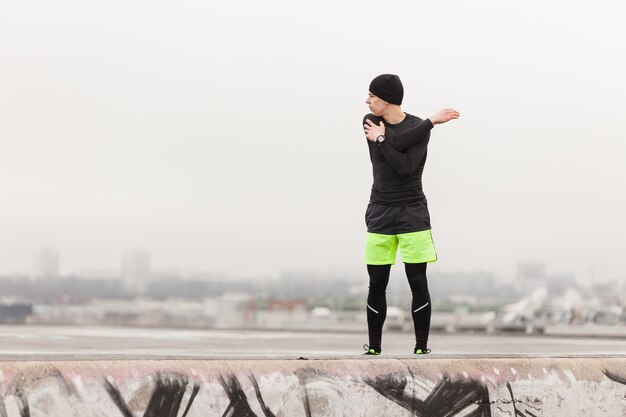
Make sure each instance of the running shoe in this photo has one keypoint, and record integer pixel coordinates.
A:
(421, 351)
(370, 351)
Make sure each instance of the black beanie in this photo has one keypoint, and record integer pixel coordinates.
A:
(388, 87)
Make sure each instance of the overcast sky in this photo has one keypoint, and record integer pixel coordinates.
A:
(227, 136)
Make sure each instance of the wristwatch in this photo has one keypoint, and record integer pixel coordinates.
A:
(380, 139)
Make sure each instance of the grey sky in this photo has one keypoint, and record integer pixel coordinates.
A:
(226, 135)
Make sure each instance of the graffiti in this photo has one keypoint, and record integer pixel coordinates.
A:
(517, 412)
(257, 390)
(614, 377)
(321, 394)
(239, 406)
(32, 393)
(165, 400)
(22, 404)
(310, 391)
(448, 397)
(117, 399)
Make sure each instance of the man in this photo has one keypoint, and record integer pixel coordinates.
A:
(397, 215)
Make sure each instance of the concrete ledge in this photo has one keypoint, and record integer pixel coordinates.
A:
(359, 386)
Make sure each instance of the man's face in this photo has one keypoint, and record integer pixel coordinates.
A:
(376, 104)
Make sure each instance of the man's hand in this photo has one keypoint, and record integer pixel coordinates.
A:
(443, 116)
(372, 130)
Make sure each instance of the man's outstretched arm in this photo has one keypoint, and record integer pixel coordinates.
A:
(414, 136)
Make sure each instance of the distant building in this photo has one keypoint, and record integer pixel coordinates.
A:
(14, 311)
(281, 313)
(234, 310)
(99, 275)
(530, 276)
(136, 271)
(479, 284)
(45, 264)
(558, 284)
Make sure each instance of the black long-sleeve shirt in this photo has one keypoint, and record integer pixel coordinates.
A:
(399, 161)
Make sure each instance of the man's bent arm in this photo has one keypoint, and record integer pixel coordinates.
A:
(408, 139)
(404, 163)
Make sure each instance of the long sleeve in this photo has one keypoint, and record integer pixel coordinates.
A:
(404, 163)
(406, 140)
(412, 137)
(398, 162)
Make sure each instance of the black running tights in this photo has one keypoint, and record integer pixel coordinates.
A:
(377, 302)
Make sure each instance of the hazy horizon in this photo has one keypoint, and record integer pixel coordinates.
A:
(227, 137)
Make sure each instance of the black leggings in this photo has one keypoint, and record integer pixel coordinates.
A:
(377, 303)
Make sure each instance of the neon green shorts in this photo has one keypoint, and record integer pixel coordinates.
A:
(415, 248)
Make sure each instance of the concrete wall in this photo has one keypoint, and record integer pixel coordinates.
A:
(425, 386)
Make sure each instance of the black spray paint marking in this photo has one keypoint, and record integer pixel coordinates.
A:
(3, 410)
(517, 412)
(238, 406)
(304, 376)
(448, 398)
(20, 391)
(196, 388)
(259, 397)
(165, 400)
(513, 401)
(614, 377)
(115, 395)
(305, 400)
(23, 404)
(310, 375)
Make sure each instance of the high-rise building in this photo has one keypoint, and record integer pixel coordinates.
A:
(135, 270)
(45, 264)
(530, 276)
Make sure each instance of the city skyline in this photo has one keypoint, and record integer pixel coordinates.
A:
(136, 266)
